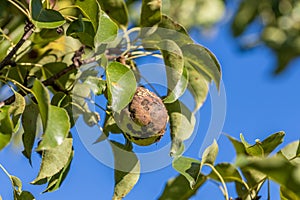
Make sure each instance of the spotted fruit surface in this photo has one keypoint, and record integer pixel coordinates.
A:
(144, 120)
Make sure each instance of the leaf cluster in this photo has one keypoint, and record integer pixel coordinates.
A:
(53, 71)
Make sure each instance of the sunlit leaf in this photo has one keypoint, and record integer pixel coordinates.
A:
(29, 123)
(182, 123)
(17, 183)
(45, 18)
(127, 170)
(117, 11)
(6, 126)
(121, 85)
(58, 126)
(90, 10)
(178, 188)
(201, 58)
(56, 180)
(107, 30)
(210, 154)
(188, 167)
(53, 160)
(197, 85)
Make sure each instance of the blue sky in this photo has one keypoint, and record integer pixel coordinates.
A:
(258, 105)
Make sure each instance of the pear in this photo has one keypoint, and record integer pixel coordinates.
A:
(145, 118)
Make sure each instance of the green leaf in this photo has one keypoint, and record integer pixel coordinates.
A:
(63, 100)
(17, 108)
(174, 31)
(53, 160)
(228, 172)
(56, 180)
(167, 30)
(253, 177)
(286, 194)
(107, 30)
(127, 169)
(246, 14)
(201, 58)
(150, 13)
(174, 68)
(178, 188)
(210, 154)
(97, 85)
(188, 167)
(273, 168)
(91, 118)
(41, 94)
(29, 123)
(238, 146)
(179, 88)
(45, 36)
(252, 150)
(16, 183)
(80, 93)
(25, 195)
(291, 152)
(197, 85)
(117, 10)
(264, 148)
(82, 30)
(110, 126)
(90, 10)
(58, 127)
(121, 85)
(65, 82)
(45, 18)
(182, 123)
(271, 142)
(6, 126)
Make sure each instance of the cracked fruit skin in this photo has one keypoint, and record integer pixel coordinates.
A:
(144, 120)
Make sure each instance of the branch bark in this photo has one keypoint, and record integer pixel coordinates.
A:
(76, 63)
(28, 30)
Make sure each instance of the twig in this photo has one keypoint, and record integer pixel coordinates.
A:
(51, 81)
(28, 30)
